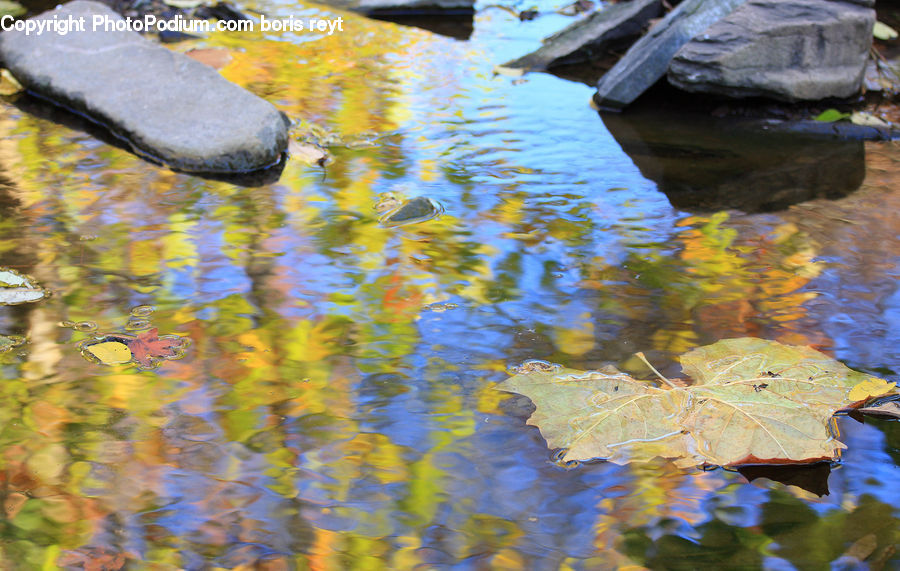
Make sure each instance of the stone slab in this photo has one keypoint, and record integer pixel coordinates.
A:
(790, 50)
(167, 106)
(648, 59)
(591, 35)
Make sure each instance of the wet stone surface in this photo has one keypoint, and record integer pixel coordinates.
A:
(647, 60)
(168, 107)
(590, 36)
(787, 50)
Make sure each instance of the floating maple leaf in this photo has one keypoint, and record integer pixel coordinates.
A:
(148, 347)
(753, 401)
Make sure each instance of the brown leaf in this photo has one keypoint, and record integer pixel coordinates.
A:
(9, 85)
(307, 153)
(147, 347)
(883, 409)
(216, 58)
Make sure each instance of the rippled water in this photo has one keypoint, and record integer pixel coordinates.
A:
(336, 408)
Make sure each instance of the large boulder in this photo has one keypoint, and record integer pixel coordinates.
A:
(167, 106)
(648, 59)
(588, 37)
(789, 50)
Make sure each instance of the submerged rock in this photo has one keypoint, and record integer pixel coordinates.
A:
(584, 39)
(168, 107)
(789, 50)
(418, 209)
(648, 59)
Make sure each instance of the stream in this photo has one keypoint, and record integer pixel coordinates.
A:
(336, 407)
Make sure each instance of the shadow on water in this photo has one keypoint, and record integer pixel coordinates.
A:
(810, 477)
(456, 26)
(49, 111)
(703, 164)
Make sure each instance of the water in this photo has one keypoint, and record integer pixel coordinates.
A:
(336, 407)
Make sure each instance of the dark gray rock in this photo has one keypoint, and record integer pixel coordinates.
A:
(647, 60)
(583, 39)
(789, 50)
(405, 7)
(167, 106)
(418, 209)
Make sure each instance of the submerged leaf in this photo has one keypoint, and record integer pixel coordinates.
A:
(216, 58)
(10, 342)
(307, 153)
(16, 288)
(753, 401)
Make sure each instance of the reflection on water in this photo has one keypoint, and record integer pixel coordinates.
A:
(336, 408)
(707, 165)
(455, 26)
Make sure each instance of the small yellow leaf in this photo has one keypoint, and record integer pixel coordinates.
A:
(307, 153)
(883, 32)
(110, 352)
(9, 85)
(871, 387)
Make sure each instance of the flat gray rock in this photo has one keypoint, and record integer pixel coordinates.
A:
(585, 38)
(648, 59)
(790, 50)
(405, 7)
(167, 106)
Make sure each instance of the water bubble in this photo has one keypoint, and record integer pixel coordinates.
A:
(142, 310)
(85, 326)
(137, 324)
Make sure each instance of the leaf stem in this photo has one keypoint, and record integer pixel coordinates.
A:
(640, 355)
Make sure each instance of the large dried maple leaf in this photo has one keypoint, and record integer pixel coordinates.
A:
(752, 401)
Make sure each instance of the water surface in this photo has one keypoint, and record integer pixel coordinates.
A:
(336, 408)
